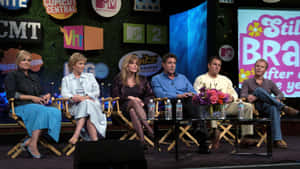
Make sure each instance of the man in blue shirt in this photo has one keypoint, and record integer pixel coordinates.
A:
(176, 86)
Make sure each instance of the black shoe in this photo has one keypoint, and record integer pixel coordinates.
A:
(203, 150)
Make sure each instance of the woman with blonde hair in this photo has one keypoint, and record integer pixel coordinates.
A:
(24, 86)
(134, 92)
(83, 91)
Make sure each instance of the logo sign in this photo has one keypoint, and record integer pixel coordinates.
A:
(60, 9)
(13, 4)
(273, 35)
(150, 62)
(88, 68)
(8, 62)
(20, 31)
(83, 37)
(133, 33)
(101, 70)
(226, 53)
(147, 5)
(157, 34)
(106, 8)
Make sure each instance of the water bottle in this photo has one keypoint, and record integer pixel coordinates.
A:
(168, 110)
(240, 110)
(151, 111)
(179, 110)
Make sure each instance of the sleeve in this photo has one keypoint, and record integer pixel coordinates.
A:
(276, 91)
(197, 84)
(244, 90)
(94, 91)
(10, 85)
(148, 93)
(189, 86)
(116, 89)
(231, 90)
(159, 91)
(65, 88)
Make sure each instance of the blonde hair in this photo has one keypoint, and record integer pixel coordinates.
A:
(75, 57)
(262, 60)
(124, 73)
(21, 56)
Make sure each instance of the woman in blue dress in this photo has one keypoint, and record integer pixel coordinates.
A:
(24, 86)
(83, 91)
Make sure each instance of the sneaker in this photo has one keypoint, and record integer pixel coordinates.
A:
(280, 144)
(290, 110)
(247, 142)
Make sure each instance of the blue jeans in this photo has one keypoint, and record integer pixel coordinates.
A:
(265, 103)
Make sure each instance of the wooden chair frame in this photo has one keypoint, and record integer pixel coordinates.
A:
(18, 149)
(119, 116)
(183, 129)
(63, 102)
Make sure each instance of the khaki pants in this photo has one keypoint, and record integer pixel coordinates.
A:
(232, 109)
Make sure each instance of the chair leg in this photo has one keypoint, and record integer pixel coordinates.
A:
(149, 141)
(263, 138)
(184, 132)
(72, 149)
(16, 150)
(66, 148)
(49, 146)
(161, 141)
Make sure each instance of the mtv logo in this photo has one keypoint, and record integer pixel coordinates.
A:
(106, 4)
(134, 33)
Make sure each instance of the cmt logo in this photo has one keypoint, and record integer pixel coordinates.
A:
(106, 4)
(82, 37)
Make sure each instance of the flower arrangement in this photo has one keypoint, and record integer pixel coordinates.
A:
(213, 99)
(210, 96)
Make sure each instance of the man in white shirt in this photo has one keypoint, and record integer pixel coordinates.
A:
(212, 79)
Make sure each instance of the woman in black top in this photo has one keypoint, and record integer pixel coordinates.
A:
(24, 86)
(134, 92)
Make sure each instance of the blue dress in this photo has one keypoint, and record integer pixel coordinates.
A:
(35, 116)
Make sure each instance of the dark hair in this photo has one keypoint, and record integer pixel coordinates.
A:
(212, 58)
(167, 56)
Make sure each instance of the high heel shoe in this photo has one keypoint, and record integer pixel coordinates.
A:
(33, 155)
(73, 141)
(23, 145)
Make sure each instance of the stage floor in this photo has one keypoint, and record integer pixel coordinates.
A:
(188, 157)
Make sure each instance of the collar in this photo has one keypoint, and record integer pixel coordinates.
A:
(166, 75)
(82, 75)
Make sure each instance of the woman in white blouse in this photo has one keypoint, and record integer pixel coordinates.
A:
(83, 91)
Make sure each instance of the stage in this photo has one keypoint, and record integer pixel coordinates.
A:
(188, 157)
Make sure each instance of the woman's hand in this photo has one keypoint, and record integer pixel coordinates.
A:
(137, 100)
(46, 98)
(38, 100)
(78, 98)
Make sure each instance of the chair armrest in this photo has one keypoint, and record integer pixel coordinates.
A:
(12, 106)
(157, 101)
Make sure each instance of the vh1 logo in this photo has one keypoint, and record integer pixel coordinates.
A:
(106, 4)
(83, 37)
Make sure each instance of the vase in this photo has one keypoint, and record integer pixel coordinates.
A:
(204, 111)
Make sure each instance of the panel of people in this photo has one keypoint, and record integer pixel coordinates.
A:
(135, 92)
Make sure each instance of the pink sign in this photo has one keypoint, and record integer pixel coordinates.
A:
(73, 37)
(106, 8)
(277, 40)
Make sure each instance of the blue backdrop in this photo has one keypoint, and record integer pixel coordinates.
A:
(188, 41)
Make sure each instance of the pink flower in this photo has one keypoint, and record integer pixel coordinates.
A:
(213, 99)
